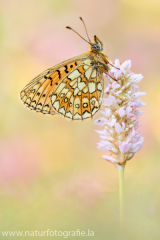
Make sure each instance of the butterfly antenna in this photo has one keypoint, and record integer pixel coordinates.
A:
(78, 34)
(85, 28)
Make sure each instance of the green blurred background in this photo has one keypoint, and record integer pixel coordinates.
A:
(52, 175)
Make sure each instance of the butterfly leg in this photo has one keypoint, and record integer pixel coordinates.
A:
(105, 70)
(113, 66)
(105, 58)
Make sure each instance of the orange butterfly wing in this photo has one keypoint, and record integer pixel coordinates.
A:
(78, 95)
(36, 95)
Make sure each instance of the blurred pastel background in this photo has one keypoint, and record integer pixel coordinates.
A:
(52, 175)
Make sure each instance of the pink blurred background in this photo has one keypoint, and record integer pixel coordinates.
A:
(52, 175)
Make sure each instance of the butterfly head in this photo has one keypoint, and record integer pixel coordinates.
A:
(97, 45)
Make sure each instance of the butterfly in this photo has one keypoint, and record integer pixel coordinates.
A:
(72, 88)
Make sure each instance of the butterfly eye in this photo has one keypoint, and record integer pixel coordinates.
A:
(95, 46)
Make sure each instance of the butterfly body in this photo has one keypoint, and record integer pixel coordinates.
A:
(72, 88)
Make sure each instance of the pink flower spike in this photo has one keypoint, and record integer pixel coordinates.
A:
(124, 146)
(104, 132)
(128, 110)
(119, 128)
(136, 77)
(130, 115)
(104, 101)
(107, 145)
(110, 159)
(136, 146)
(136, 124)
(137, 138)
(138, 113)
(117, 64)
(139, 103)
(133, 133)
(120, 115)
(106, 112)
(112, 122)
(111, 99)
(108, 88)
(103, 137)
(115, 85)
(139, 94)
(100, 121)
(134, 88)
(117, 73)
(126, 65)
(133, 105)
(121, 112)
(118, 92)
(101, 146)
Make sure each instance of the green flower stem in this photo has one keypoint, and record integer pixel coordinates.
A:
(121, 192)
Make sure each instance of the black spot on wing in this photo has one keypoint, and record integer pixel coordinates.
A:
(66, 69)
(94, 108)
(85, 105)
(85, 112)
(77, 105)
(79, 71)
(59, 73)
